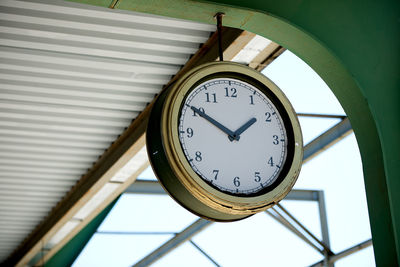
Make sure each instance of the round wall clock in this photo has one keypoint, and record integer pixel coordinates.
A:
(224, 141)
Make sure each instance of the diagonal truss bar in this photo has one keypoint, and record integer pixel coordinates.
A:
(204, 253)
(177, 240)
(344, 253)
(282, 220)
(326, 248)
(327, 139)
(351, 250)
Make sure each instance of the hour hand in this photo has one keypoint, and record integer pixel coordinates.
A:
(243, 128)
(214, 122)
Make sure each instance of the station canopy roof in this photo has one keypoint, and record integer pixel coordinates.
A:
(76, 86)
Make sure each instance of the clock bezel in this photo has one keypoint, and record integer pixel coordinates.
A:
(191, 181)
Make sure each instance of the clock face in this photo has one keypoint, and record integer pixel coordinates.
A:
(233, 136)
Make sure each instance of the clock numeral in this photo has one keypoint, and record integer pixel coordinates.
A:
(233, 92)
(189, 132)
(271, 162)
(257, 176)
(215, 172)
(251, 100)
(198, 156)
(276, 140)
(268, 117)
(236, 181)
(214, 98)
(195, 114)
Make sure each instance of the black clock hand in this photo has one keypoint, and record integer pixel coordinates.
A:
(214, 122)
(238, 132)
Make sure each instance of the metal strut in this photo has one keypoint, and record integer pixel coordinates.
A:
(219, 16)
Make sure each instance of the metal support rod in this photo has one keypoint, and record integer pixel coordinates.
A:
(351, 250)
(145, 187)
(326, 248)
(281, 219)
(327, 139)
(302, 195)
(324, 227)
(219, 16)
(326, 116)
(154, 188)
(133, 233)
(177, 240)
(204, 253)
(113, 4)
(345, 253)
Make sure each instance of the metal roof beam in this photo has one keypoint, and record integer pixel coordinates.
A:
(269, 54)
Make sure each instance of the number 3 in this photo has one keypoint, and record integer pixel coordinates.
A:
(276, 141)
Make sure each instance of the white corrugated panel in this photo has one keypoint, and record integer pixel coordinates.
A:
(72, 78)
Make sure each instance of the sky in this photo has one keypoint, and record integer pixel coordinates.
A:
(144, 222)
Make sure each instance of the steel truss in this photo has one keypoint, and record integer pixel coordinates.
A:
(278, 212)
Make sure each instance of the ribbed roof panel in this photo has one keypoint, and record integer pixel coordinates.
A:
(72, 78)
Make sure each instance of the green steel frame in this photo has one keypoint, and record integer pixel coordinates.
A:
(354, 47)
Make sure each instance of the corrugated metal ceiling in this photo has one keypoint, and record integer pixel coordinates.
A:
(72, 77)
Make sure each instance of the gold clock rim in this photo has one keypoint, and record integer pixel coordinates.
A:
(202, 191)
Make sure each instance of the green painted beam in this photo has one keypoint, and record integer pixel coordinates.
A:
(354, 47)
(68, 254)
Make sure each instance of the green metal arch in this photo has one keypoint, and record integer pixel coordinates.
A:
(354, 47)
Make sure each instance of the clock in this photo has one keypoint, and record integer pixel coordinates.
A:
(224, 141)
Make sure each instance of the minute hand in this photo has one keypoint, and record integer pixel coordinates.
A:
(214, 122)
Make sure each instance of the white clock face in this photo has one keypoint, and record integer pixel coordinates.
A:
(233, 136)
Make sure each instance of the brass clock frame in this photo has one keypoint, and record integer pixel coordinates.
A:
(174, 171)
